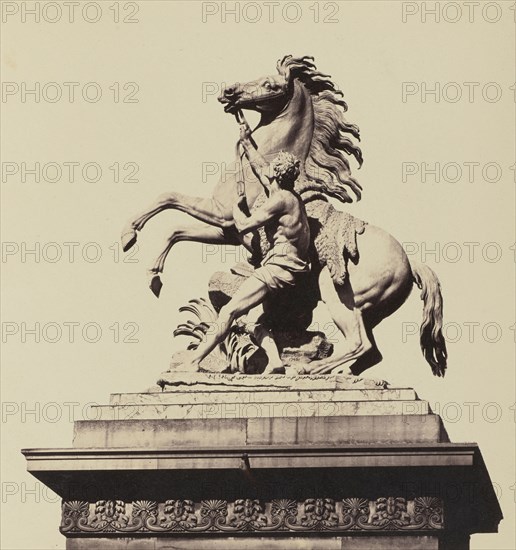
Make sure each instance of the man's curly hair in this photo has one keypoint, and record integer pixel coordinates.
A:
(286, 169)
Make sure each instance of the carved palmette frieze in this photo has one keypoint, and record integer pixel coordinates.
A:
(252, 515)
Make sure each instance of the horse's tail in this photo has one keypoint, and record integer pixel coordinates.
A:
(433, 344)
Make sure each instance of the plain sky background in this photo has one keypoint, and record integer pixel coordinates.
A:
(171, 130)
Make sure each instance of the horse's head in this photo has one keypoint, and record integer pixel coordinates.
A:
(315, 130)
(268, 94)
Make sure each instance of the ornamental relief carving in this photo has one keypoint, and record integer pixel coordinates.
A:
(252, 515)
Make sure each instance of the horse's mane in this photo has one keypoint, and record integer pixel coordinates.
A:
(326, 163)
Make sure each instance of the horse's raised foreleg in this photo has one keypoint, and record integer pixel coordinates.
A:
(207, 210)
(199, 232)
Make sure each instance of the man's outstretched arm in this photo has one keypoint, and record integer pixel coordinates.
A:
(273, 207)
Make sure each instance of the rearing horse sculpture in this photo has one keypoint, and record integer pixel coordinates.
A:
(364, 273)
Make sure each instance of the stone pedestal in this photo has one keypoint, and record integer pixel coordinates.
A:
(282, 462)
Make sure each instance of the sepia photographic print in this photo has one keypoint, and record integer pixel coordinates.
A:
(258, 275)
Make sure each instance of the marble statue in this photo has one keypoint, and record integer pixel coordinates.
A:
(359, 271)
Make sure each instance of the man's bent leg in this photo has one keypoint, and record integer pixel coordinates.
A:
(250, 294)
(264, 339)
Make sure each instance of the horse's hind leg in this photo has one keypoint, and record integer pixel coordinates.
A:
(199, 232)
(365, 355)
(369, 359)
(348, 318)
(340, 302)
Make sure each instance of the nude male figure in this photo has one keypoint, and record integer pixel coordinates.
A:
(284, 219)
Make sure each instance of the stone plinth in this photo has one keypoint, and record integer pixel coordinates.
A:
(286, 462)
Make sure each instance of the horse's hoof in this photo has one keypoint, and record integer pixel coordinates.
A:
(279, 369)
(128, 239)
(155, 284)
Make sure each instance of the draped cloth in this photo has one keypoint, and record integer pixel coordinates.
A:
(280, 267)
